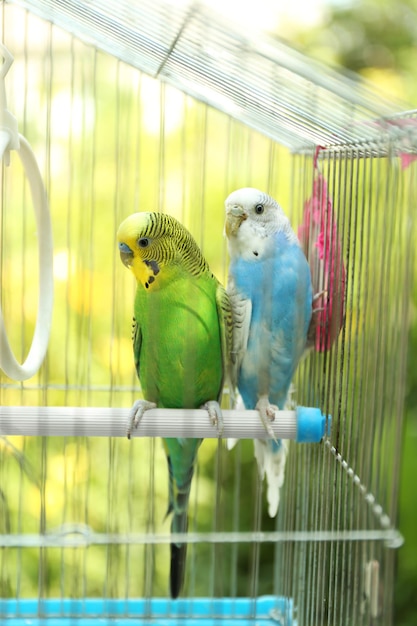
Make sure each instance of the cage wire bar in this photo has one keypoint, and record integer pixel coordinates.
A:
(355, 379)
(257, 80)
(143, 106)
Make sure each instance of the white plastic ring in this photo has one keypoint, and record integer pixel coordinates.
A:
(33, 362)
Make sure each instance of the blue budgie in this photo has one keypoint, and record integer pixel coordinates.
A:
(269, 286)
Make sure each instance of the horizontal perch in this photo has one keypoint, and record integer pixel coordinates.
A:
(77, 535)
(304, 424)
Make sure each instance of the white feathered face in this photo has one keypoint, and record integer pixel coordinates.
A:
(251, 217)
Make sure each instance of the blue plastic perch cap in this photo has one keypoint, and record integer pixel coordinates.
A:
(311, 425)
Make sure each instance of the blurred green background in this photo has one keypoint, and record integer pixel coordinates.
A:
(377, 38)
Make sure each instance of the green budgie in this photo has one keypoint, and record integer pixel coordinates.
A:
(181, 341)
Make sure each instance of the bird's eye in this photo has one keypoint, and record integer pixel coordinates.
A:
(259, 208)
(143, 242)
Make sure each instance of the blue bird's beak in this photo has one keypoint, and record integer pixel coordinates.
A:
(126, 254)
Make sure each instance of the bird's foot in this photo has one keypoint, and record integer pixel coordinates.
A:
(319, 294)
(136, 414)
(215, 415)
(267, 414)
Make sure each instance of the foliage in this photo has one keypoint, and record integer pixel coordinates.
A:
(376, 38)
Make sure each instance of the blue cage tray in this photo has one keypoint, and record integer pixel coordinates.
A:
(262, 611)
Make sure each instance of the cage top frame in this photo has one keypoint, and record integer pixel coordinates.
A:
(255, 78)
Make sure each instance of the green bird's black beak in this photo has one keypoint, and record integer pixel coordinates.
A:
(126, 254)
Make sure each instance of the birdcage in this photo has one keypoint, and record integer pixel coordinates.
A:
(131, 106)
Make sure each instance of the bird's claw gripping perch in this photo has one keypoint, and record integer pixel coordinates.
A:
(320, 294)
(136, 414)
(267, 414)
(215, 415)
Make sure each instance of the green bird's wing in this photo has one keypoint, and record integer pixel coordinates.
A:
(137, 342)
(224, 311)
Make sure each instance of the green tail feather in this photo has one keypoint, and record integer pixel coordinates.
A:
(178, 555)
(178, 505)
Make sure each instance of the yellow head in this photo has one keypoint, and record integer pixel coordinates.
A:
(149, 242)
